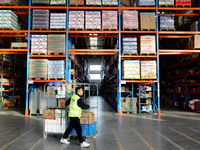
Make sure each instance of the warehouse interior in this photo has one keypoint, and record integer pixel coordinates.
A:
(138, 62)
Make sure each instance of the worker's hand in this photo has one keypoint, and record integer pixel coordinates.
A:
(89, 105)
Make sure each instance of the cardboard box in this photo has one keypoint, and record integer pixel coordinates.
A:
(48, 114)
(76, 2)
(19, 45)
(50, 90)
(59, 113)
(147, 21)
(127, 104)
(61, 103)
(87, 118)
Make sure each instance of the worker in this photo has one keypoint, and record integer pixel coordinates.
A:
(76, 104)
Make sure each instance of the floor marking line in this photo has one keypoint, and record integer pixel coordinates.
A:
(147, 144)
(7, 131)
(194, 130)
(170, 141)
(117, 139)
(13, 141)
(185, 135)
(37, 144)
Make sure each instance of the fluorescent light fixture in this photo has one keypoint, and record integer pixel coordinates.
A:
(95, 76)
(95, 67)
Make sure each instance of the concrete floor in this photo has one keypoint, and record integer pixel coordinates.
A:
(174, 130)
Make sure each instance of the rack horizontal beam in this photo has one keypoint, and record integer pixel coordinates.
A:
(93, 32)
(87, 53)
(153, 32)
(14, 53)
(93, 8)
(178, 52)
(13, 35)
(14, 7)
(48, 31)
(174, 36)
(88, 36)
(48, 56)
(93, 50)
(46, 81)
(13, 50)
(48, 7)
(178, 32)
(140, 81)
(124, 57)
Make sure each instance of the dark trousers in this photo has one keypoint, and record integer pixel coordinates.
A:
(74, 124)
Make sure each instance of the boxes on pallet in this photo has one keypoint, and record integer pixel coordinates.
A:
(56, 43)
(56, 69)
(76, 19)
(58, 21)
(109, 19)
(166, 2)
(130, 19)
(8, 20)
(126, 104)
(61, 103)
(146, 2)
(39, 44)
(147, 21)
(58, 2)
(38, 68)
(148, 69)
(19, 45)
(110, 2)
(40, 19)
(147, 44)
(130, 45)
(131, 69)
(194, 42)
(93, 2)
(92, 19)
(87, 118)
(8, 103)
(46, 2)
(167, 22)
(76, 2)
(183, 2)
(9, 2)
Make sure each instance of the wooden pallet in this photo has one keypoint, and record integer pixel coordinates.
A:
(147, 78)
(147, 5)
(109, 29)
(167, 29)
(38, 114)
(166, 5)
(148, 53)
(93, 5)
(109, 5)
(40, 29)
(18, 47)
(148, 29)
(58, 4)
(6, 29)
(183, 5)
(76, 29)
(75, 5)
(57, 29)
(56, 53)
(36, 53)
(37, 78)
(130, 54)
(56, 78)
(126, 29)
(93, 29)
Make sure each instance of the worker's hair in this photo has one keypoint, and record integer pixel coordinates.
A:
(77, 89)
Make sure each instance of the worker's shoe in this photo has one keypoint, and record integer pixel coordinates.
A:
(64, 141)
(85, 144)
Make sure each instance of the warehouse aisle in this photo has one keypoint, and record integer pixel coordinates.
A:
(130, 132)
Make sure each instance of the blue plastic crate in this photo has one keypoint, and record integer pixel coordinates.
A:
(86, 130)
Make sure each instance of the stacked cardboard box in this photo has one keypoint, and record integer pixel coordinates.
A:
(109, 19)
(126, 104)
(93, 20)
(110, 2)
(147, 44)
(8, 20)
(130, 45)
(130, 19)
(40, 19)
(8, 103)
(56, 69)
(147, 21)
(87, 118)
(56, 43)
(131, 69)
(58, 2)
(135, 101)
(194, 42)
(58, 21)
(183, 2)
(39, 44)
(146, 2)
(167, 22)
(76, 2)
(46, 2)
(9, 2)
(166, 2)
(93, 2)
(19, 45)
(76, 19)
(148, 69)
(38, 68)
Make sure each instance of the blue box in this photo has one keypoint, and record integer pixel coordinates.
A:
(86, 130)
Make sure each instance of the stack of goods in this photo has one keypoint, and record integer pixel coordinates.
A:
(130, 19)
(130, 45)
(93, 20)
(194, 42)
(9, 2)
(183, 2)
(8, 20)
(76, 2)
(147, 44)
(167, 22)
(146, 2)
(56, 43)
(109, 19)
(19, 45)
(46, 2)
(93, 2)
(58, 21)
(126, 104)
(148, 69)
(110, 2)
(40, 19)
(39, 44)
(56, 69)
(38, 68)
(131, 69)
(76, 19)
(166, 2)
(58, 2)
(147, 21)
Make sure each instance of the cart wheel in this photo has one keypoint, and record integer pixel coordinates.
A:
(45, 136)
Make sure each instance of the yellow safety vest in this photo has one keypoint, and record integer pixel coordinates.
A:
(74, 109)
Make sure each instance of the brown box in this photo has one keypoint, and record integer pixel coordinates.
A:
(147, 21)
(50, 90)
(48, 114)
(19, 45)
(87, 118)
(10, 2)
(61, 103)
(197, 106)
(195, 42)
(128, 103)
(8, 103)
(76, 2)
